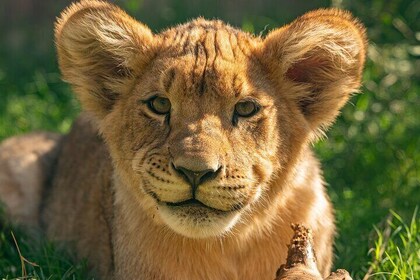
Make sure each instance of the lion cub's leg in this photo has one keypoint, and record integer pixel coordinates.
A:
(26, 163)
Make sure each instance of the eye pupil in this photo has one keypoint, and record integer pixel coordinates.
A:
(160, 105)
(246, 108)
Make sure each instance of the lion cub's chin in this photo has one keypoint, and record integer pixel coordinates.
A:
(197, 221)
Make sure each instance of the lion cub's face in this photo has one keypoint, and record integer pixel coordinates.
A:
(199, 118)
(207, 139)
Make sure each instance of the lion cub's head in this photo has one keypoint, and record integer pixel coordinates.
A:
(200, 118)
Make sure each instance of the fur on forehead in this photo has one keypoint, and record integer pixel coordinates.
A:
(208, 37)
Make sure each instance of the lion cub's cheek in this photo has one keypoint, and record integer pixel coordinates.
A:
(198, 221)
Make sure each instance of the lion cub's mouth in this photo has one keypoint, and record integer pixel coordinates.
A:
(193, 203)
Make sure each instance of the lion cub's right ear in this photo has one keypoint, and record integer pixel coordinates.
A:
(99, 50)
(319, 59)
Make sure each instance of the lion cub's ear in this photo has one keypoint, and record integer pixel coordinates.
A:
(317, 61)
(99, 48)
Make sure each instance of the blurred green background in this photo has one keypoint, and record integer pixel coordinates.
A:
(371, 157)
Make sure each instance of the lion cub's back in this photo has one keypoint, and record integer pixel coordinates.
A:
(77, 207)
(26, 166)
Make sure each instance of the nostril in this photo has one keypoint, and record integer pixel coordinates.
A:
(196, 178)
(208, 175)
(189, 175)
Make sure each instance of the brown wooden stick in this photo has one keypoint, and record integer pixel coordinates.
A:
(301, 259)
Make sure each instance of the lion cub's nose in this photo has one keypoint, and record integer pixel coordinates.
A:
(195, 178)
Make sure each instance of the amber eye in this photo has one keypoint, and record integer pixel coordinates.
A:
(246, 109)
(159, 105)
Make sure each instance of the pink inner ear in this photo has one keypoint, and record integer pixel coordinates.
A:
(304, 70)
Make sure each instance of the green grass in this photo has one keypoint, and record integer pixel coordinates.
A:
(371, 158)
(396, 253)
(29, 256)
(43, 102)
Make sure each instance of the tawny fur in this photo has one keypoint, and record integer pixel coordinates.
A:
(108, 195)
(26, 163)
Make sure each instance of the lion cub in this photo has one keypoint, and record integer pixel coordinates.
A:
(193, 158)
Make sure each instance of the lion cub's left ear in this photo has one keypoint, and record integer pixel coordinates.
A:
(100, 50)
(317, 62)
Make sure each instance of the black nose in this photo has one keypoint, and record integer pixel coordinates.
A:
(195, 178)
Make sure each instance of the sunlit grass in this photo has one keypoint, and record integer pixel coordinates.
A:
(44, 102)
(396, 253)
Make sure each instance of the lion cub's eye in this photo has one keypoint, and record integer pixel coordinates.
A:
(246, 109)
(159, 105)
